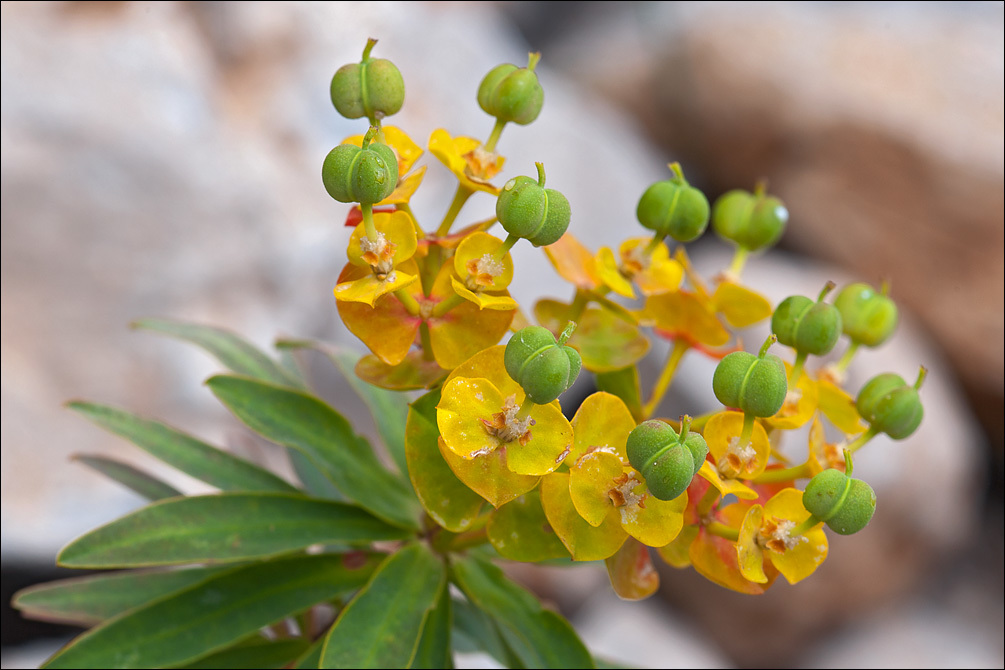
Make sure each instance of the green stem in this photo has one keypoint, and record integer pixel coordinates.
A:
(680, 347)
(504, 248)
(785, 475)
(371, 230)
(410, 304)
(722, 530)
(579, 304)
(797, 368)
(806, 526)
(678, 172)
(490, 143)
(860, 441)
(842, 365)
(708, 501)
(739, 260)
(460, 197)
(747, 430)
(525, 408)
(446, 305)
(653, 243)
(427, 342)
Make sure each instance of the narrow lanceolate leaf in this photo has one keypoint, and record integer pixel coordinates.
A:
(311, 659)
(434, 643)
(540, 638)
(381, 626)
(255, 653)
(90, 600)
(304, 422)
(233, 351)
(184, 452)
(389, 408)
(223, 528)
(447, 500)
(213, 615)
(146, 485)
(314, 481)
(476, 631)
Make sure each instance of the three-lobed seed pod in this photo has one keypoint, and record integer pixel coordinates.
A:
(675, 208)
(544, 367)
(845, 504)
(890, 405)
(754, 384)
(511, 93)
(807, 326)
(372, 88)
(366, 174)
(526, 209)
(752, 221)
(667, 460)
(868, 317)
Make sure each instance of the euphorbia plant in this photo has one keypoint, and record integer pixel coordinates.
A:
(388, 558)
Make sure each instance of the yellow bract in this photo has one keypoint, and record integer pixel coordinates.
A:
(467, 159)
(489, 476)
(466, 329)
(823, 455)
(369, 288)
(733, 460)
(685, 314)
(574, 263)
(716, 559)
(839, 408)
(498, 301)
(765, 533)
(799, 406)
(602, 421)
(475, 419)
(584, 542)
(610, 274)
(478, 267)
(739, 305)
(395, 244)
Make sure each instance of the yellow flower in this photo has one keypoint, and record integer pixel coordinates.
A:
(652, 270)
(481, 275)
(394, 244)
(734, 462)
(467, 159)
(775, 532)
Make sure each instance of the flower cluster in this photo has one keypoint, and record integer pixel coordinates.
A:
(709, 491)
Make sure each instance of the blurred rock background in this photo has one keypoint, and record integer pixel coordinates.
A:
(162, 159)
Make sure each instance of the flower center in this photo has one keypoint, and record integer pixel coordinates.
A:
(737, 458)
(506, 426)
(482, 165)
(623, 496)
(776, 535)
(483, 271)
(634, 261)
(379, 253)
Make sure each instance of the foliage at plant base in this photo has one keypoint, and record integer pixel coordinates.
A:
(389, 556)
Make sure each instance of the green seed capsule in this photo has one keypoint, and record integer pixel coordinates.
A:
(668, 461)
(366, 176)
(753, 221)
(372, 88)
(845, 504)
(807, 326)
(526, 209)
(868, 317)
(674, 208)
(890, 405)
(512, 94)
(543, 367)
(755, 385)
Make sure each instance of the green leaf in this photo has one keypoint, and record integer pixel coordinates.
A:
(434, 643)
(312, 657)
(184, 452)
(540, 638)
(447, 500)
(222, 528)
(89, 600)
(146, 485)
(606, 342)
(389, 408)
(310, 475)
(233, 351)
(623, 383)
(257, 652)
(304, 422)
(381, 626)
(213, 615)
(520, 531)
(474, 631)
